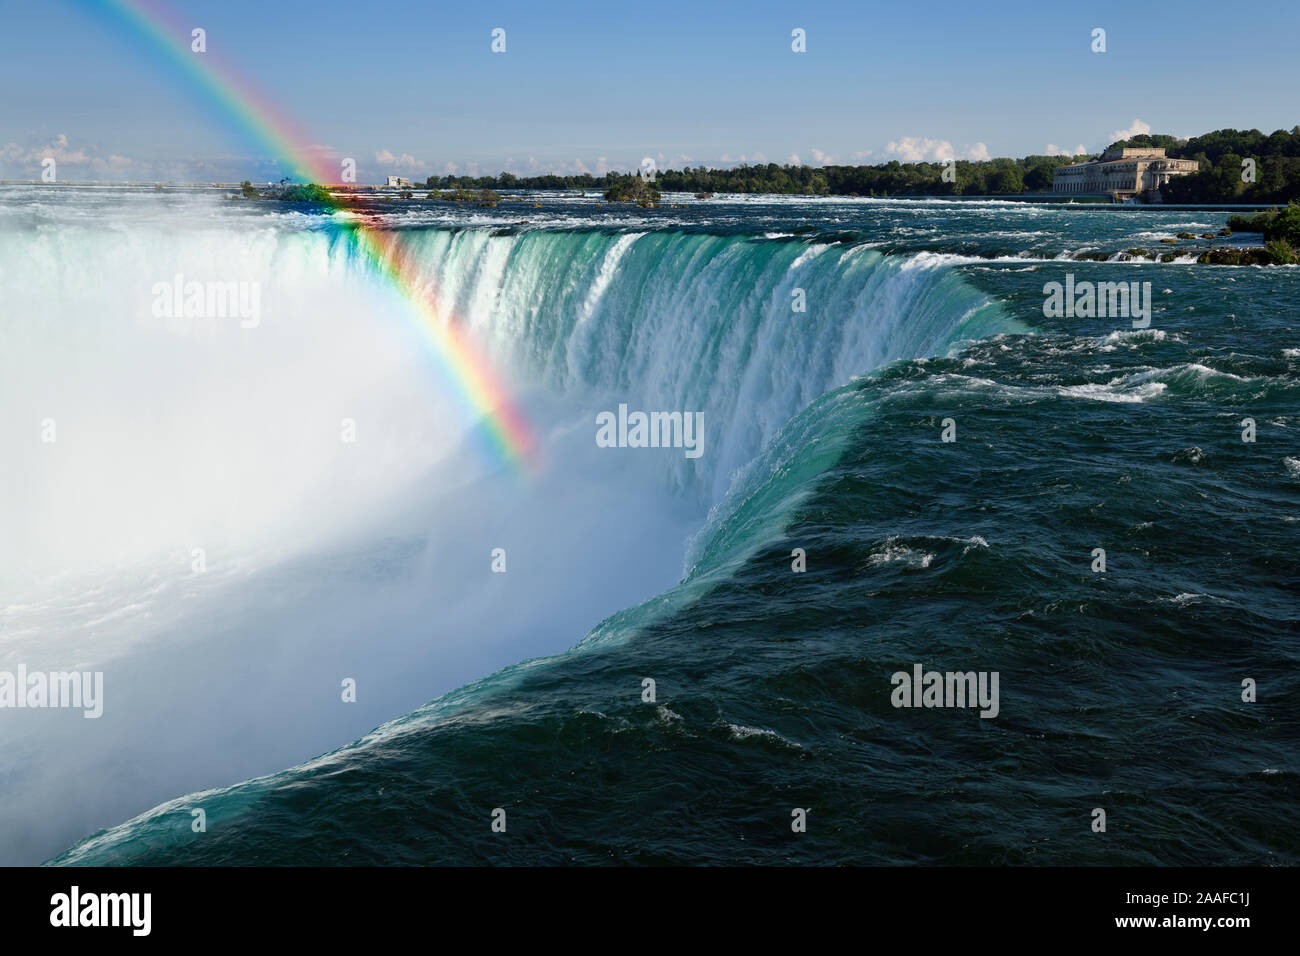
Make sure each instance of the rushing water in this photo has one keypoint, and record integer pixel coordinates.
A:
(371, 560)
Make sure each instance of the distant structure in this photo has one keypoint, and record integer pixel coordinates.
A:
(1125, 173)
(399, 181)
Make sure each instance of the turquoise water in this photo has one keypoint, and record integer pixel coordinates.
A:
(1120, 690)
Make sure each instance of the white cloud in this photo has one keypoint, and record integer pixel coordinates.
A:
(403, 163)
(535, 167)
(914, 149)
(1054, 150)
(679, 161)
(1137, 128)
(726, 160)
(918, 149)
(57, 149)
(81, 161)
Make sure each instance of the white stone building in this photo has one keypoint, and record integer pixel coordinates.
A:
(1123, 172)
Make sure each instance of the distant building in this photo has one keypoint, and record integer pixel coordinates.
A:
(1124, 172)
(399, 181)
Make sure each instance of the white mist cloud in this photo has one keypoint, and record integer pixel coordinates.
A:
(726, 159)
(918, 149)
(404, 162)
(80, 159)
(678, 161)
(1136, 128)
(1054, 150)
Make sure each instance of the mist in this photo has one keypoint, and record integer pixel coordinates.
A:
(199, 529)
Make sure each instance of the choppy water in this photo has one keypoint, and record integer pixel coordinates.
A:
(1119, 690)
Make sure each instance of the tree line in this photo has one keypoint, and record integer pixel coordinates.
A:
(969, 178)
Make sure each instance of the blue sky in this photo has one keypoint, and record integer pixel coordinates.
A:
(413, 88)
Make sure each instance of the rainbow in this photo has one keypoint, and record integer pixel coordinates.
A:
(484, 397)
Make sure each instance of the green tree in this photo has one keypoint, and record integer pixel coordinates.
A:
(1285, 226)
(1005, 181)
(305, 192)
